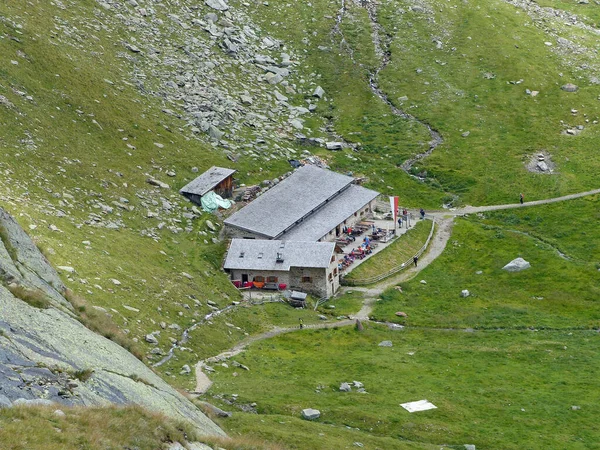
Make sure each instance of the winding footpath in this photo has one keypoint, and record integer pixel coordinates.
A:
(445, 221)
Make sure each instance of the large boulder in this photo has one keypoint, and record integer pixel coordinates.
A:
(219, 5)
(311, 414)
(516, 265)
(47, 355)
(345, 387)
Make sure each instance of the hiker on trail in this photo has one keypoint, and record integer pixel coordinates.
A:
(400, 221)
(521, 197)
(415, 260)
(301, 323)
(422, 212)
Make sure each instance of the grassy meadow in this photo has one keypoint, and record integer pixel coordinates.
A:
(559, 291)
(495, 389)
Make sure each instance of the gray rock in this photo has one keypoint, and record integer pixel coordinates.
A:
(30, 269)
(318, 92)
(333, 145)
(198, 446)
(150, 338)
(280, 97)
(214, 410)
(465, 293)
(311, 414)
(541, 165)
(185, 370)
(132, 48)
(246, 99)
(211, 17)
(358, 384)
(155, 182)
(4, 401)
(219, 5)
(470, 447)
(386, 344)
(569, 87)
(516, 265)
(345, 387)
(175, 446)
(274, 78)
(215, 133)
(296, 124)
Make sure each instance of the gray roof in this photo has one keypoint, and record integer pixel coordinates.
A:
(207, 181)
(262, 254)
(289, 201)
(330, 215)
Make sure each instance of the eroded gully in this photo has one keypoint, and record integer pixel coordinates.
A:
(381, 43)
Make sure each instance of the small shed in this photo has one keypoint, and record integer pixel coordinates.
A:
(217, 179)
(298, 299)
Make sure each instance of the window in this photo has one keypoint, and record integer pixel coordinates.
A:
(259, 279)
(307, 279)
(335, 271)
(260, 255)
(332, 258)
(330, 277)
(271, 279)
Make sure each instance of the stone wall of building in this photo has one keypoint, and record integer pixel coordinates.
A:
(233, 232)
(283, 277)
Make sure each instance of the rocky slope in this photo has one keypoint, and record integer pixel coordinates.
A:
(47, 355)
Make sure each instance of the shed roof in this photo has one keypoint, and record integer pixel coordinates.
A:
(330, 215)
(292, 199)
(207, 181)
(255, 254)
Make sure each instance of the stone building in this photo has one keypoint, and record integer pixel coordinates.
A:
(217, 179)
(271, 264)
(312, 204)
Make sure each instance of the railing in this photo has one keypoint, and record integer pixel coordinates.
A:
(395, 270)
(320, 301)
(272, 298)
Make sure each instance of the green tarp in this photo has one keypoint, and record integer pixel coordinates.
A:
(211, 202)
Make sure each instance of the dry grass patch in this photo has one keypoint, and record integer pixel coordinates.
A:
(34, 428)
(101, 323)
(33, 297)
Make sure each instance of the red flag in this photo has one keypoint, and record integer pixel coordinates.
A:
(394, 206)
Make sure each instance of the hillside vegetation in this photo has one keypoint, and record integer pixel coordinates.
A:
(439, 102)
